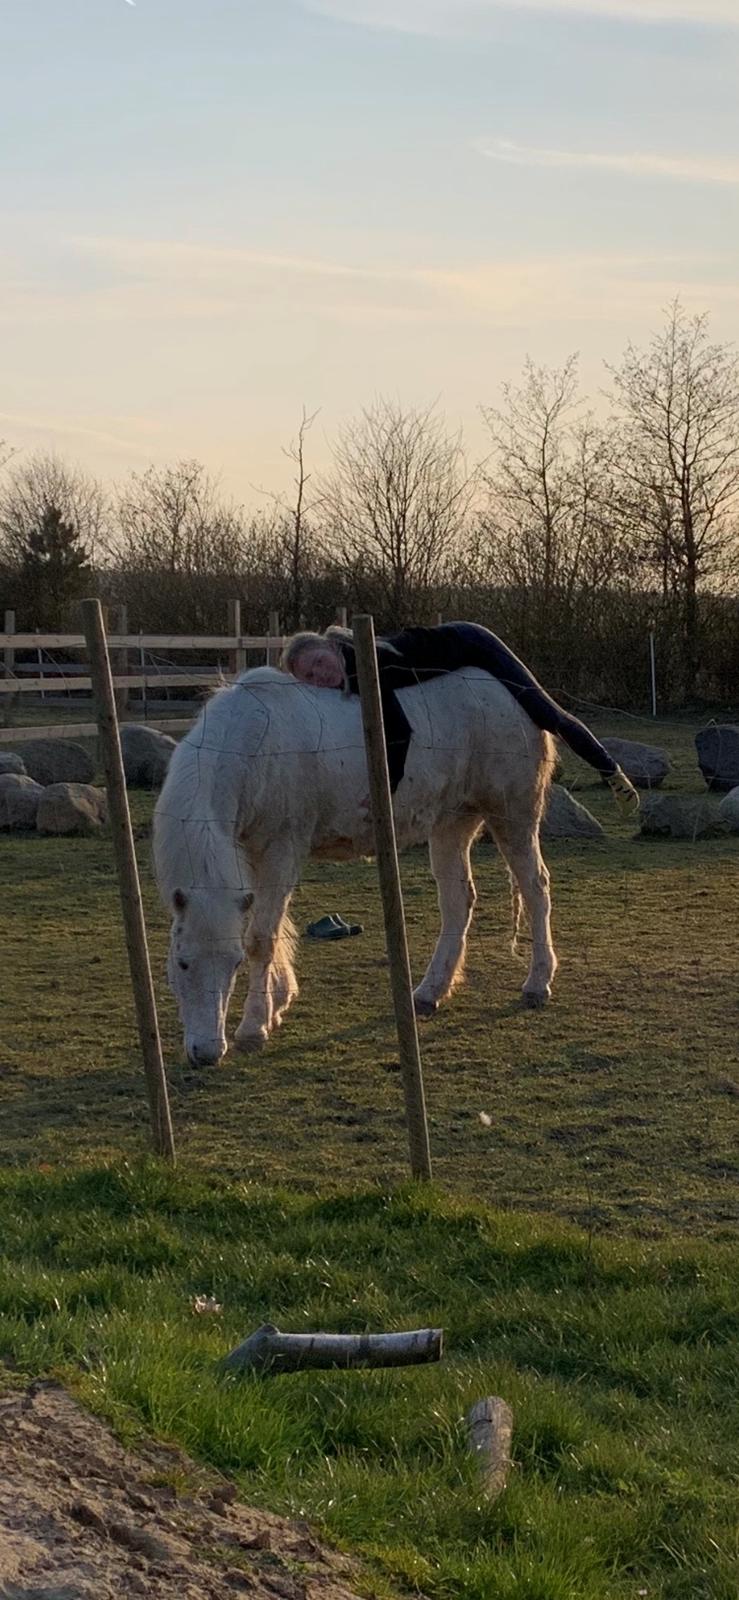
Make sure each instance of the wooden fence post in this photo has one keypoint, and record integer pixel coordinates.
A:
(342, 616)
(238, 658)
(119, 660)
(144, 684)
(9, 652)
(392, 897)
(128, 879)
(274, 633)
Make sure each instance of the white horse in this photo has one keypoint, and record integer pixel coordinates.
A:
(274, 771)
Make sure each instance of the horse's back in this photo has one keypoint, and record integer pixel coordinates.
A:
(470, 718)
(270, 753)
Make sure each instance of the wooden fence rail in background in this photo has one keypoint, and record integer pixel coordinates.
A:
(131, 671)
(227, 642)
(61, 683)
(233, 647)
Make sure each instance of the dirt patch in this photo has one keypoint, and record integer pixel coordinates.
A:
(83, 1519)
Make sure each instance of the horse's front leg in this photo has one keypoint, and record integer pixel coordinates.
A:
(268, 946)
(449, 852)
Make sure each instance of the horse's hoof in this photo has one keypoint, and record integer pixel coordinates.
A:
(248, 1043)
(425, 1008)
(535, 999)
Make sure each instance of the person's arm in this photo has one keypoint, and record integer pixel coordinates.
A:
(398, 733)
(423, 653)
(394, 720)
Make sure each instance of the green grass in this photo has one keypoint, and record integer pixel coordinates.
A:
(619, 1360)
(615, 1107)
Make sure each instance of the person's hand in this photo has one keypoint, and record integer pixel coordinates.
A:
(624, 794)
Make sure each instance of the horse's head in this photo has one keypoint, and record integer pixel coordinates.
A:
(205, 954)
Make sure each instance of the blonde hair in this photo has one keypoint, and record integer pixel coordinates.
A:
(294, 647)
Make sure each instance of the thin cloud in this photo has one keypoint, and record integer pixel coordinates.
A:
(173, 256)
(502, 292)
(29, 423)
(442, 17)
(634, 164)
(221, 267)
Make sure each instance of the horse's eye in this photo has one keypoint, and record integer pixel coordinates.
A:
(183, 966)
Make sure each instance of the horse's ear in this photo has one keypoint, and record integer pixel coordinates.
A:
(247, 901)
(179, 899)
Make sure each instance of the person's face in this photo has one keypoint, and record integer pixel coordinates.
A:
(321, 666)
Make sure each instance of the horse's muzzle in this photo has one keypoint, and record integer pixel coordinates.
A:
(207, 1053)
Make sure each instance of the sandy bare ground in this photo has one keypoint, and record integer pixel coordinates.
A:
(83, 1519)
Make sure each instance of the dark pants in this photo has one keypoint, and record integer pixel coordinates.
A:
(481, 648)
(419, 654)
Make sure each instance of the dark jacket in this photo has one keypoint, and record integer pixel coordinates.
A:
(415, 655)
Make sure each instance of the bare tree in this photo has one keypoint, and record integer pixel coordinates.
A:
(171, 518)
(44, 484)
(396, 504)
(679, 464)
(180, 548)
(549, 483)
(289, 536)
(296, 527)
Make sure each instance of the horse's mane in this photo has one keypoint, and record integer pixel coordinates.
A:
(262, 675)
(245, 761)
(195, 821)
(212, 780)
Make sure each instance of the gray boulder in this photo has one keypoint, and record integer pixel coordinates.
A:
(644, 764)
(729, 810)
(19, 801)
(71, 808)
(57, 761)
(10, 762)
(718, 755)
(146, 755)
(679, 816)
(565, 818)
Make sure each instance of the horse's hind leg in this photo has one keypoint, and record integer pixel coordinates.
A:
(517, 839)
(269, 948)
(449, 851)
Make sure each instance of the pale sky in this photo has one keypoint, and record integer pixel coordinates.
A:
(215, 211)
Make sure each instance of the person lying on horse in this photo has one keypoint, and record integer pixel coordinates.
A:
(414, 655)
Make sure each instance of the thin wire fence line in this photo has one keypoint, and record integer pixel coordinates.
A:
(158, 666)
(675, 766)
(320, 750)
(207, 821)
(416, 742)
(460, 672)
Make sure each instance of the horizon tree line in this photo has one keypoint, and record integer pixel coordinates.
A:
(574, 536)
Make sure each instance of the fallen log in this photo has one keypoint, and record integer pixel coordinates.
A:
(489, 1430)
(268, 1350)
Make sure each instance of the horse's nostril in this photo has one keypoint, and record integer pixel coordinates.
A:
(205, 1055)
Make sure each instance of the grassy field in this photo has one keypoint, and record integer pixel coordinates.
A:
(616, 1105)
(619, 1361)
(616, 1110)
